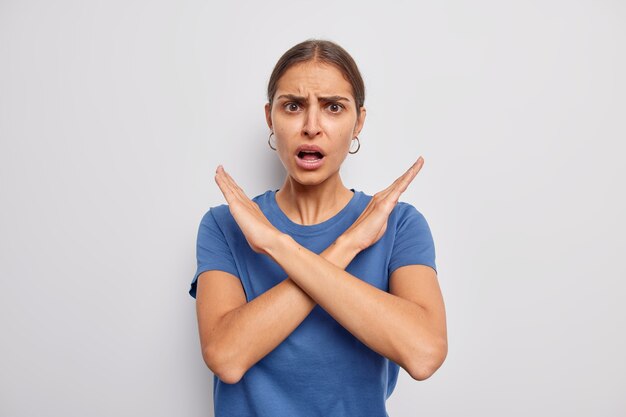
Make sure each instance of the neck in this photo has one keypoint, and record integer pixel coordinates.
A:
(312, 204)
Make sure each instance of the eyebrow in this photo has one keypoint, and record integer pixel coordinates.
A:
(303, 99)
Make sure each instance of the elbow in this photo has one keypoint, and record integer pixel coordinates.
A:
(428, 363)
(224, 369)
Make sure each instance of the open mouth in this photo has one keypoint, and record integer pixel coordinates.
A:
(310, 155)
(309, 158)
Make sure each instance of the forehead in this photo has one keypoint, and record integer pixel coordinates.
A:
(317, 78)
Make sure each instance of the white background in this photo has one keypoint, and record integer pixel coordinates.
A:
(114, 116)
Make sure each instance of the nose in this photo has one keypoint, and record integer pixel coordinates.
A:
(311, 126)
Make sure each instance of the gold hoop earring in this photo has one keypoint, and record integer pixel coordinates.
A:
(269, 142)
(358, 145)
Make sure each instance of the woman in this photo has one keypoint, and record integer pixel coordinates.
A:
(309, 297)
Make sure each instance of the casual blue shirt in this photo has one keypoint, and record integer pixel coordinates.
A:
(320, 369)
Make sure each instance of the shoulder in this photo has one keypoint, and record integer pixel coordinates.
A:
(216, 216)
(406, 217)
(404, 211)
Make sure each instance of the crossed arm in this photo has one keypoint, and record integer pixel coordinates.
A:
(406, 325)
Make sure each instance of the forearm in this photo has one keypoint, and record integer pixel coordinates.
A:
(390, 325)
(248, 333)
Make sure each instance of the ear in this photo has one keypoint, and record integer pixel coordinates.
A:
(359, 122)
(268, 115)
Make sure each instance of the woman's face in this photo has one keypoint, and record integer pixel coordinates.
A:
(314, 119)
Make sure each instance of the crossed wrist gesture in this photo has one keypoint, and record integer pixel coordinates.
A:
(367, 229)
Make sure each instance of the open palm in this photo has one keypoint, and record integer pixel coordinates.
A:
(257, 229)
(370, 226)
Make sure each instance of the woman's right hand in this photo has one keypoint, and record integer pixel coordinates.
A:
(372, 223)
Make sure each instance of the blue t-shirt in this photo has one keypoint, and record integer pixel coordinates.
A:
(320, 369)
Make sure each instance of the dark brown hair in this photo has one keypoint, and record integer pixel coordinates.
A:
(327, 52)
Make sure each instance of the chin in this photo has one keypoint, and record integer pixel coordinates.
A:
(310, 177)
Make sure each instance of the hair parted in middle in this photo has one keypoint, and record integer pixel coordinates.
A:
(323, 51)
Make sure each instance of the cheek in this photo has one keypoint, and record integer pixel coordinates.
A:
(280, 134)
(347, 141)
(285, 131)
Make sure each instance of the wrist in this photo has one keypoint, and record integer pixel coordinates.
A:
(346, 244)
(279, 243)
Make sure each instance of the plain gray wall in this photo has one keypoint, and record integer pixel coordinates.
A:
(114, 116)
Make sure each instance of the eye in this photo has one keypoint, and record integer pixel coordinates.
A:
(291, 107)
(335, 107)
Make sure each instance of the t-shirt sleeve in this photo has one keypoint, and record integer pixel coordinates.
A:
(212, 250)
(413, 244)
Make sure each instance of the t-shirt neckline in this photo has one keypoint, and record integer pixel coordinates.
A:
(313, 228)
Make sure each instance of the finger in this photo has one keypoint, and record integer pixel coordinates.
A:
(417, 166)
(408, 178)
(227, 180)
(227, 185)
(233, 183)
(403, 180)
(237, 192)
(223, 184)
(402, 183)
(236, 188)
(413, 169)
(411, 174)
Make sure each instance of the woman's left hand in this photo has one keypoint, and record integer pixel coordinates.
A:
(371, 225)
(259, 232)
